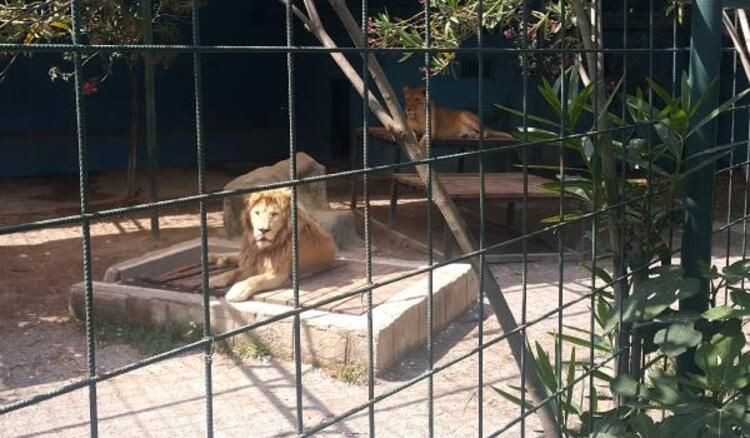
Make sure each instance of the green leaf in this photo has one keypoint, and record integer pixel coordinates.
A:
(718, 356)
(737, 271)
(626, 386)
(644, 426)
(578, 105)
(570, 216)
(512, 398)
(544, 368)
(660, 91)
(723, 313)
(741, 298)
(720, 109)
(529, 116)
(652, 296)
(549, 95)
(677, 338)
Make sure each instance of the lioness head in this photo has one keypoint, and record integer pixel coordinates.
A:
(414, 102)
(266, 215)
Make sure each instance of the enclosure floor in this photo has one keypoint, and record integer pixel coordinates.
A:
(342, 277)
(41, 349)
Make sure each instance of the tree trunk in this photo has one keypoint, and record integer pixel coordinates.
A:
(591, 37)
(395, 120)
(131, 175)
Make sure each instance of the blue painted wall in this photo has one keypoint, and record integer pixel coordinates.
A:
(245, 100)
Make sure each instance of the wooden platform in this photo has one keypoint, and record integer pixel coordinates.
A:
(504, 186)
(344, 276)
(382, 134)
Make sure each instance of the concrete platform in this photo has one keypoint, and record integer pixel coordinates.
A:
(333, 334)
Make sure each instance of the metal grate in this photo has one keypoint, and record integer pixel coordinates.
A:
(469, 68)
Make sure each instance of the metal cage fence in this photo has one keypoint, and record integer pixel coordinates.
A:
(739, 161)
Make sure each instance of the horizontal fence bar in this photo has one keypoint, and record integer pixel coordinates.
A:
(230, 49)
(221, 194)
(240, 330)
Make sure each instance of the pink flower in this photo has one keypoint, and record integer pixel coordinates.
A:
(89, 87)
(509, 33)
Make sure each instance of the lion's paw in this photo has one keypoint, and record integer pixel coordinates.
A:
(216, 282)
(239, 292)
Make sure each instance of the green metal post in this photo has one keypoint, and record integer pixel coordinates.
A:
(705, 58)
(148, 64)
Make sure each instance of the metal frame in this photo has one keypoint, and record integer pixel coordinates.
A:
(705, 42)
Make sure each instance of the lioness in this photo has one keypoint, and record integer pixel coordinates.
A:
(265, 258)
(444, 123)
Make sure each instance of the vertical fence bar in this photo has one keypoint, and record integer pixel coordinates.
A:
(150, 90)
(525, 200)
(705, 57)
(482, 231)
(730, 185)
(200, 151)
(561, 231)
(430, 259)
(295, 237)
(621, 219)
(83, 180)
(650, 143)
(367, 230)
(745, 205)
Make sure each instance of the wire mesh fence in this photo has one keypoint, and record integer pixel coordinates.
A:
(611, 146)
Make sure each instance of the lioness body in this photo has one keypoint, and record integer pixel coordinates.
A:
(265, 258)
(444, 122)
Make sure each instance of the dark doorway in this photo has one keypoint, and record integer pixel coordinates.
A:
(340, 120)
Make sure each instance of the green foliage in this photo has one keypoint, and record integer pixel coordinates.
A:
(351, 373)
(452, 22)
(251, 350)
(147, 339)
(102, 22)
(713, 402)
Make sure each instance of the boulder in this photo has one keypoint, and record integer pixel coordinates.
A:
(313, 197)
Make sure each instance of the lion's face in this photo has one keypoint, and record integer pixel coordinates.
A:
(414, 100)
(267, 214)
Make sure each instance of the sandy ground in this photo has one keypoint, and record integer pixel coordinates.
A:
(41, 349)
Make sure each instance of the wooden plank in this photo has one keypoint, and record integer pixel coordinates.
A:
(414, 243)
(353, 306)
(382, 134)
(502, 186)
(353, 280)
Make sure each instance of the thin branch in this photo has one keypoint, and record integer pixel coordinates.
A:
(299, 14)
(578, 61)
(317, 29)
(742, 51)
(584, 28)
(453, 218)
(745, 28)
(384, 86)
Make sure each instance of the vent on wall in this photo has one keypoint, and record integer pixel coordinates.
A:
(469, 69)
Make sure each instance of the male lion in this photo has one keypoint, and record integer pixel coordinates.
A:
(265, 258)
(444, 122)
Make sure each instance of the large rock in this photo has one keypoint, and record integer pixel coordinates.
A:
(313, 196)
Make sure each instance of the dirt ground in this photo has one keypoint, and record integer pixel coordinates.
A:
(42, 349)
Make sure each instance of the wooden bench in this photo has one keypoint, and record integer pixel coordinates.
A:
(385, 138)
(506, 186)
